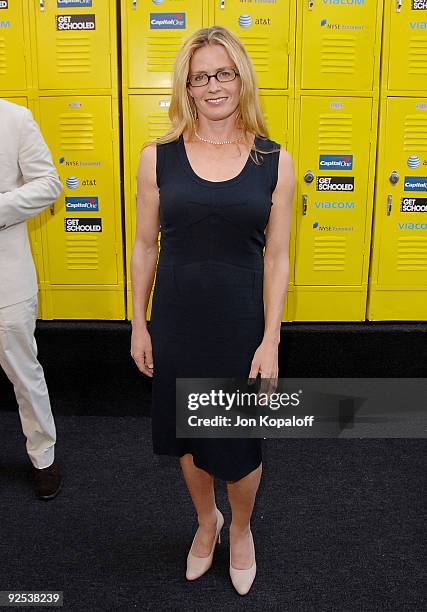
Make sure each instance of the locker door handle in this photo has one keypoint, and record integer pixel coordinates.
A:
(310, 5)
(398, 5)
(52, 208)
(42, 5)
(134, 5)
(222, 4)
(304, 203)
(388, 207)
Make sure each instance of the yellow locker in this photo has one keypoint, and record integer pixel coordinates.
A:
(398, 282)
(152, 34)
(336, 155)
(74, 41)
(405, 46)
(146, 117)
(338, 43)
(264, 29)
(82, 231)
(14, 46)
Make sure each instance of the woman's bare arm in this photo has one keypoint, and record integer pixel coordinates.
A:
(144, 256)
(276, 258)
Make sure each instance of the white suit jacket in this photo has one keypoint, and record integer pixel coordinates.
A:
(29, 183)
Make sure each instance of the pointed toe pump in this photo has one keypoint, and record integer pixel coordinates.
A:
(197, 566)
(242, 579)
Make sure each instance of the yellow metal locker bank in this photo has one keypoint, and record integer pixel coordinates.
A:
(82, 233)
(398, 277)
(335, 165)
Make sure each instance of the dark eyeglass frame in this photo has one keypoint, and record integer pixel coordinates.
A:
(209, 76)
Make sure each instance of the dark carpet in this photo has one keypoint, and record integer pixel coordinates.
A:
(338, 524)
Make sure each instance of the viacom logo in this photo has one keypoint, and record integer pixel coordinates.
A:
(334, 205)
(414, 205)
(167, 21)
(332, 228)
(73, 204)
(419, 5)
(412, 226)
(336, 162)
(78, 224)
(413, 161)
(335, 183)
(415, 183)
(75, 22)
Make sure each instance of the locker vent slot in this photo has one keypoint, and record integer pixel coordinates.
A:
(158, 124)
(260, 51)
(162, 51)
(3, 56)
(412, 254)
(417, 57)
(335, 132)
(74, 54)
(415, 133)
(338, 55)
(82, 253)
(76, 132)
(329, 254)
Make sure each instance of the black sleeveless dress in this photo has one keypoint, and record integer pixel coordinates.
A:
(207, 316)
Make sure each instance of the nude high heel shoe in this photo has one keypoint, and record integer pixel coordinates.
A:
(197, 566)
(242, 579)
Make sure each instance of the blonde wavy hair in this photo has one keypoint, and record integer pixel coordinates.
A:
(182, 109)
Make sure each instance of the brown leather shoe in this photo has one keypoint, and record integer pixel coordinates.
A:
(47, 481)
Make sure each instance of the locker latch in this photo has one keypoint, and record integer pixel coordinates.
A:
(398, 5)
(42, 5)
(394, 177)
(308, 177)
(310, 5)
(134, 5)
(388, 207)
(304, 203)
(222, 4)
(52, 208)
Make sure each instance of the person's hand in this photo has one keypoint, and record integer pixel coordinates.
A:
(266, 363)
(141, 350)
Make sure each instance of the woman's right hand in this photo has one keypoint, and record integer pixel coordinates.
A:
(141, 350)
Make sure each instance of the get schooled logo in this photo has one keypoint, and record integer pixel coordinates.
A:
(419, 5)
(79, 224)
(335, 183)
(4, 4)
(75, 22)
(414, 205)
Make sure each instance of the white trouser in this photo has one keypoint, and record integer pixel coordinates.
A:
(18, 358)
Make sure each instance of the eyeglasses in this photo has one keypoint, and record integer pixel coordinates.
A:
(223, 75)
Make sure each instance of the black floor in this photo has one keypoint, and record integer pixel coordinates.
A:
(338, 524)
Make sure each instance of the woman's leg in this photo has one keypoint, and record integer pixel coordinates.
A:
(241, 495)
(201, 487)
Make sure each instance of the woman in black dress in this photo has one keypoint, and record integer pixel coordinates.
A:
(219, 191)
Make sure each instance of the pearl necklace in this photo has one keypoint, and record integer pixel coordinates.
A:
(217, 143)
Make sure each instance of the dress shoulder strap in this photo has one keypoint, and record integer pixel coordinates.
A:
(271, 158)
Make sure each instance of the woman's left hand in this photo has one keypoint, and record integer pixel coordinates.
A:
(266, 362)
